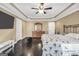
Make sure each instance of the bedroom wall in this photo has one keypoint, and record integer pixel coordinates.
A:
(7, 34)
(28, 27)
(68, 20)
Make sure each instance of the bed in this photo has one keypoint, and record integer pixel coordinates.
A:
(62, 45)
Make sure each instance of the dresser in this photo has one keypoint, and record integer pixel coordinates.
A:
(37, 33)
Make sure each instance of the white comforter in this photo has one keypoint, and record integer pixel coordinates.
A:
(57, 45)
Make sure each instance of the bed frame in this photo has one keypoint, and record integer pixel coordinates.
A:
(71, 28)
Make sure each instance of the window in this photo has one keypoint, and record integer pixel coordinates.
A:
(51, 27)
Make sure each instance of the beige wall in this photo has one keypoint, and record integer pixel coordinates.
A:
(28, 27)
(7, 34)
(68, 20)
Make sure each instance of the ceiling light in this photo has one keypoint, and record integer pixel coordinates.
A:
(41, 11)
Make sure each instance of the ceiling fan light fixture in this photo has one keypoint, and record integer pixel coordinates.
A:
(41, 11)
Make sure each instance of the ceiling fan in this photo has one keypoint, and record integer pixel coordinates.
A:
(42, 9)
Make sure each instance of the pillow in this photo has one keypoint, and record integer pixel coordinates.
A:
(69, 40)
(73, 35)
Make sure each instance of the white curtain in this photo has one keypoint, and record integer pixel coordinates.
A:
(51, 27)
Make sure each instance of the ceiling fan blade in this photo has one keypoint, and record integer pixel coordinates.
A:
(35, 8)
(44, 12)
(48, 8)
(42, 4)
(37, 12)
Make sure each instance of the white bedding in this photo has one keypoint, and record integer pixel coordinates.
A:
(53, 44)
(74, 35)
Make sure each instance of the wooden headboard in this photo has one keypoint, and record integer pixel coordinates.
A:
(71, 28)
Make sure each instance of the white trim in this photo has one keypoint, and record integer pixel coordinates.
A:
(69, 11)
(5, 45)
(18, 29)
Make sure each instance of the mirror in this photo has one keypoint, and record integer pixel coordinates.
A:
(38, 26)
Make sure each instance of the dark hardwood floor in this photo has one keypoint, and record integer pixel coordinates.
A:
(32, 49)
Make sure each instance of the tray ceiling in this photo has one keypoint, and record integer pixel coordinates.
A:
(23, 10)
